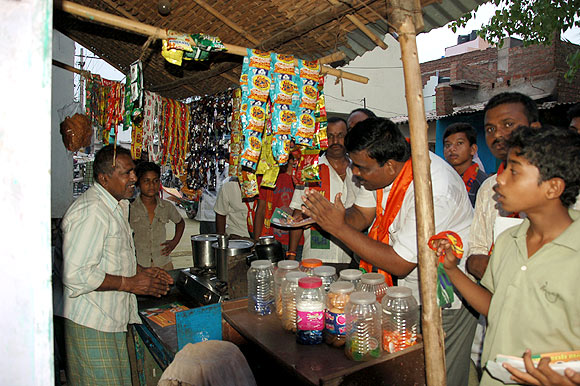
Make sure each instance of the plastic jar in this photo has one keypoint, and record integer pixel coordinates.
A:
(327, 274)
(308, 265)
(335, 322)
(375, 283)
(261, 287)
(310, 307)
(284, 266)
(363, 327)
(400, 319)
(350, 275)
(289, 288)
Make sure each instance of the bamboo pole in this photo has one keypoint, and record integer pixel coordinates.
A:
(149, 30)
(364, 29)
(405, 20)
(228, 22)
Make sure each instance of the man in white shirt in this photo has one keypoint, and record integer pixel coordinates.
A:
(231, 211)
(339, 179)
(381, 160)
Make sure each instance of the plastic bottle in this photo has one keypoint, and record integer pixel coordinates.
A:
(308, 265)
(400, 319)
(284, 266)
(363, 327)
(327, 274)
(310, 307)
(350, 275)
(375, 283)
(335, 322)
(261, 287)
(289, 288)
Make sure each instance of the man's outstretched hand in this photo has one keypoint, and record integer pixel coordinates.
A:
(329, 216)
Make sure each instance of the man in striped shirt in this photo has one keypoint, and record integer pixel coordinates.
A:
(101, 275)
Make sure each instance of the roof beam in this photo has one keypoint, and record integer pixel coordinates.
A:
(361, 26)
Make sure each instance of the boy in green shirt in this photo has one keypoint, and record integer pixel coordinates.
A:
(529, 291)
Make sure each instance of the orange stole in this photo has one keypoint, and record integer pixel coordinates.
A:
(383, 220)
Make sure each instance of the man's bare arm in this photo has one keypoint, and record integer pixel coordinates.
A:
(360, 218)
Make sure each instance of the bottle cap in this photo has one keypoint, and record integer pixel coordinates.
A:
(350, 274)
(399, 292)
(372, 278)
(342, 287)
(324, 270)
(288, 264)
(311, 263)
(294, 276)
(261, 264)
(361, 297)
(310, 282)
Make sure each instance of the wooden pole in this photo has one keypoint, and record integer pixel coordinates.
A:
(360, 25)
(403, 14)
(149, 30)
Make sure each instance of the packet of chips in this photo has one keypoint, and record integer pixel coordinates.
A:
(248, 184)
(307, 170)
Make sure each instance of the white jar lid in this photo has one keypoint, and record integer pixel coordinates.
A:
(350, 274)
(261, 264)
(324, 270)
(372, 278)
(294, 276)
(288, 264)
(342, 287)
(399, 292)
(361, 297)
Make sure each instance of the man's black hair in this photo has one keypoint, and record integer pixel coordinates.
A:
(462, 127)
(381, 138)
(144, 167)
(554, 151)
(366, 112)
(530, 107)
(104, 159)
(573, 112)
(336, 119)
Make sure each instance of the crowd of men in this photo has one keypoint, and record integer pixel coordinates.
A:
(364, 208)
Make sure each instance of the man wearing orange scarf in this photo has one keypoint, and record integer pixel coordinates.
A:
(381, 159)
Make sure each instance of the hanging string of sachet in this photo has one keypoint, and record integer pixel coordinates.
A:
(178, 47)
(152, 106)
(445, 296)
(105, 105)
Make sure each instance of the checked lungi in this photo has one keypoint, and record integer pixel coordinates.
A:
(96, 357)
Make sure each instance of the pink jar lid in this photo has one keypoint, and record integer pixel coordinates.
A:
(310, 282)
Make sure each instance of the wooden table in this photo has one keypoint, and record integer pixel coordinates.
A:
(320, 364)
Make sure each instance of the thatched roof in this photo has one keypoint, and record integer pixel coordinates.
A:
(308, 29)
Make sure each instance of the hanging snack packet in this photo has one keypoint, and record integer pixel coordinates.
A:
(308, 169)
(203, 45)
(248, 184)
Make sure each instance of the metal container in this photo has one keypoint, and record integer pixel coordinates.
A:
(223, 255)
(203, 254)
(268, 248)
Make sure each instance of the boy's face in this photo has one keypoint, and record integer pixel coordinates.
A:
(519, 188)
(149, 184)
(499, 122)
(457, 150)
(575, 124)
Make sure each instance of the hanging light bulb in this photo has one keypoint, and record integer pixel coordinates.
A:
(164, 7)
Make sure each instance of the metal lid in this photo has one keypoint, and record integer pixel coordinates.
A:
(310, 282)
(288, 264)
(324, 270)
(261, 264)
(205, 237)
(399, 292)
(372, 278)
(294, 276)
(342, 287)
(350, 274)
(361, 297)
(266, 240)
(236, 247)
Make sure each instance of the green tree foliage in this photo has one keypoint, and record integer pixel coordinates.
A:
(535, 21)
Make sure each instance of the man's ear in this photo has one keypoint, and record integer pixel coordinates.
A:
(555, 188)
(535, 125)
(390, 167)
(102, 179)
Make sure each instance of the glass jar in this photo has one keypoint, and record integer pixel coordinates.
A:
(363, 327)
(335, 322)
(351, 275)
(289, 288)
(310, 307)
(400, 319)
(308, 265)
(327, 274)
(284, 266)
(375, 283)
(261, 287)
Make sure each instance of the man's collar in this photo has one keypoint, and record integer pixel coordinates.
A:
(107, 197)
